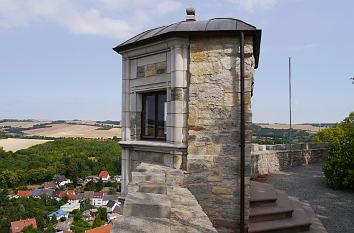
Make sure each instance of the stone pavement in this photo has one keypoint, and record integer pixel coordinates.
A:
(335, 208)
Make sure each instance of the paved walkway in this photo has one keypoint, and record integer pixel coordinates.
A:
(334, 208)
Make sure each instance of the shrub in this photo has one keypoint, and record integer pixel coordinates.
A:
(339, 169)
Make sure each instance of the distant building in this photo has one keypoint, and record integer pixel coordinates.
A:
(111, 217)
(62, 180)
(117, 178)
(69, 207)
(36, 193)
(59, 214)
(89, 178)
(48, 192)
(17, 226)
(22, 193)
(50, 184)
(104, 175)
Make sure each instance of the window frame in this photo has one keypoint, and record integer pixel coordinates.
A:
(155, 137)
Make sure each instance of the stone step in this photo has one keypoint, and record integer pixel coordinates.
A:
(148, 177)
(147, 205)
(299, 222)
(131, 224)
(152, 188)
(282, 209)
(262, 194)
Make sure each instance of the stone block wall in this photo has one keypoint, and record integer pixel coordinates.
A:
(267, 159)
(213, 160)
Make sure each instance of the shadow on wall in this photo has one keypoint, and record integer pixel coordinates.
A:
(267, 159)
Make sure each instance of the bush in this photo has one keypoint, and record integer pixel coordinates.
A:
(339, 169)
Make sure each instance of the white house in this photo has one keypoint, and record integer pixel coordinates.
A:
(62, 180)
(70, 206)
(59, 214)
(117, 178)
(104, 175)
(111, 205)
(97, 199)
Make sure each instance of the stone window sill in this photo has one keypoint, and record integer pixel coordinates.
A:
(156, 146)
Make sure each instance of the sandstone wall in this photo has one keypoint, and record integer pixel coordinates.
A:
(267, 159)
(213, 161)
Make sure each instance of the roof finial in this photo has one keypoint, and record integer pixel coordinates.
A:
(190, 13)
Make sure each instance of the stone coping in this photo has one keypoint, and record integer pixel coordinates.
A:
(155, 146)
(285, 147)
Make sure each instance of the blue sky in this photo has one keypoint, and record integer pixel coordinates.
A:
(56, 60)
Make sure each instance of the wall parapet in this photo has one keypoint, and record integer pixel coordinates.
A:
(267, 159)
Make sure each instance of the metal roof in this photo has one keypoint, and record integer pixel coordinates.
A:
(216, 26)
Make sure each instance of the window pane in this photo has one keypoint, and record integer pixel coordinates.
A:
(161, 118)
(149, 118)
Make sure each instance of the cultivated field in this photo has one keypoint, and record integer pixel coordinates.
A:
(308, 128)
(15, 144)
(68, 130)
(23, 124)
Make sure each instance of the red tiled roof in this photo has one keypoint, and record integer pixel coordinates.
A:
(103, 174)
(67, 193)
(19, 225)
(97, 195)
(102, 229)
(72, 197)
(21, 193)
(50, 184)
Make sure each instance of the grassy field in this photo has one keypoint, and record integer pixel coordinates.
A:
(15, 144)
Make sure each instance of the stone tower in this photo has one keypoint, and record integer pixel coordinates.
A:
(181, 106)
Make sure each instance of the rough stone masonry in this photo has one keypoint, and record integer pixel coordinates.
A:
(213, 160)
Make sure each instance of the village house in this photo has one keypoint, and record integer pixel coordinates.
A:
(48, 192)
(104, 175)
(111, 217)
(62, 180)
(17, 226)
(36, 193)
(107, 198)
(97, 199)
(61, 227)
(111, 205)
(69, 207)
(117, 178)
(59, 214)
(89, 178)
(49, 185)
(56, 195)
(22, 193)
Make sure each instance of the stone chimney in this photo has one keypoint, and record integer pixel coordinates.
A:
(190, 14)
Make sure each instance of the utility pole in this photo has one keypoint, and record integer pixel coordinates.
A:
(290, 138)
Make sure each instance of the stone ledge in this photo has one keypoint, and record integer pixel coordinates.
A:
(153, 146)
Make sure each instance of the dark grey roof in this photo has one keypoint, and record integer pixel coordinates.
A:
(36, 192)
(111, 203)
(216, 26)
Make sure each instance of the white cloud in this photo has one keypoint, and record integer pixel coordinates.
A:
(91, 20)
(254, 5)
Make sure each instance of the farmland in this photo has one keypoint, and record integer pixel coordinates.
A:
(15, 144)
(46, 129)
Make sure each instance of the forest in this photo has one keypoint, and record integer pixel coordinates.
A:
(70, 157)
(278, 136)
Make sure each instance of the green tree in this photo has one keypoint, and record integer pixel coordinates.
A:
(30, 229)
(97, 222)
(103, 213)
(339, 169)
(50, 229)
(54, 219)
(99, 185)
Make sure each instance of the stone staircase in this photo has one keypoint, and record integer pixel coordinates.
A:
(272, 210)
(157, 203)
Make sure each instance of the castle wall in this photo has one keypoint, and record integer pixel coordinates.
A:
(268, 159)
(213, 161)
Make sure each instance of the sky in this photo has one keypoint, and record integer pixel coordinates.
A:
(57, 62)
